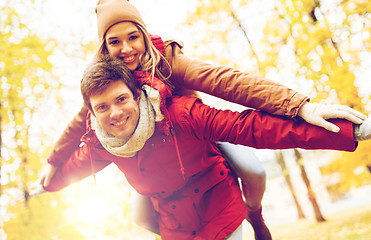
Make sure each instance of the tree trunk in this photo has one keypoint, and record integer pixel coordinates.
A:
(233, 14)
(23, 151)
(311, 194)
(286, 174)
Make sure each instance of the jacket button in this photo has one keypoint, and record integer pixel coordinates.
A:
(194, 233)
(221, 173)
(152, 144)
(163, 140)
(173, 206)
(196, 190)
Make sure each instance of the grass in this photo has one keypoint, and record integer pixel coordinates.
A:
(351, 224)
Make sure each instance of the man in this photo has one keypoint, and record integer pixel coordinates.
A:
(166, 147)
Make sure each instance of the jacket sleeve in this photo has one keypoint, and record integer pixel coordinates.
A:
(81, 164)
(70, 139)
(232, 85)
(262, 130)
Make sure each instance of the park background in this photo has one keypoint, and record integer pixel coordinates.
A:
(319, 48)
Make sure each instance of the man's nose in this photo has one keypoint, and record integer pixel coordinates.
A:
(116, 112)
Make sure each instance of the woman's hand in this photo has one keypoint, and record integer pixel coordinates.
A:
(317, 114)
(46, 175)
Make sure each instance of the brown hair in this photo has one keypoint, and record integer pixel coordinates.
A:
(103, 71)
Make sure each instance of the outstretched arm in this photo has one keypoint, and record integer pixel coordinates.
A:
(81, 164)
(70, 139)
(252, 90)
(262, 130)
(46, 175)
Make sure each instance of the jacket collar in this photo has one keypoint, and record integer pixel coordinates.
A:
(158, 43)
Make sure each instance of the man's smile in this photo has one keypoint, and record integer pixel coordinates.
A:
(120, 123)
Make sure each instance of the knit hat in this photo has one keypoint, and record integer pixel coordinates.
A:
(110, 12)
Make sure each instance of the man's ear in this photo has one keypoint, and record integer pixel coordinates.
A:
(91, 111)
(139, 93)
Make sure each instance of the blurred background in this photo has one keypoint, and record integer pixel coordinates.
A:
(318, 47)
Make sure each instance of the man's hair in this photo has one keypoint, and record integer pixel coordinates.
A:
(103, 71)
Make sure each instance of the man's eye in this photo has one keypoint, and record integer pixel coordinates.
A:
(101, 108)
(122, 99)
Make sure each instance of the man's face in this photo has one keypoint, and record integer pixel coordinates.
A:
(116, 109)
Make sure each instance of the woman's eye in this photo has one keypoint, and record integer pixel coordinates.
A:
(133, 37)
(113, 42)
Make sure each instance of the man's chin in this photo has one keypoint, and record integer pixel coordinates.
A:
(123, 136)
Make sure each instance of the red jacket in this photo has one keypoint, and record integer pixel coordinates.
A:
(208, 202)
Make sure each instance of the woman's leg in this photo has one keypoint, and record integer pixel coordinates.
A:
(253, 178)
(236, 235)
(143, 213)
(251, 171)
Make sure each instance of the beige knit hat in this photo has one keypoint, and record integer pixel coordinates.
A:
(110, 12)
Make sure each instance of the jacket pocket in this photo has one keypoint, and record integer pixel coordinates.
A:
(180, 213)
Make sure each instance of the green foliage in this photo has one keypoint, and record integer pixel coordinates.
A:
(28, 84)
(320, 43)
(41, 218)
(349, 170)
(25, 83)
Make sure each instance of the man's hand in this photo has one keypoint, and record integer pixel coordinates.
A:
(36, 187)
(317, 114)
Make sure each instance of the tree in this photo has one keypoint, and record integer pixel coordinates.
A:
(207, 10)
(26, 83)
(317, 47)
(328, 52)
(311, 194)
(286, 174)
(25, 79)
(30, 95)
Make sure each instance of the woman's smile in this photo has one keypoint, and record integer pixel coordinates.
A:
(126, 42)
(128, 60)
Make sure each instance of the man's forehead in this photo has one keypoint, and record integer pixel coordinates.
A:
(113, 89)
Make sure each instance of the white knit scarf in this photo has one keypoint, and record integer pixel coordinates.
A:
(150, 113)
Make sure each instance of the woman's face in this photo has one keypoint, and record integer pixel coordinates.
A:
(126, 42)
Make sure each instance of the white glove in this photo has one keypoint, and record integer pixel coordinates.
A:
(46, 175)
(363, 132)
(317, 114)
